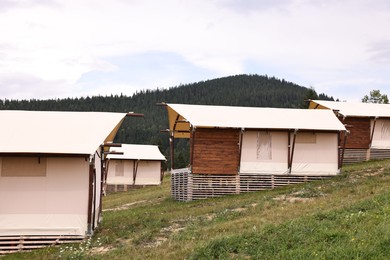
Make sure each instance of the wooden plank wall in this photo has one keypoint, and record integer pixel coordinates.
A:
(360, 132)
(215, 151)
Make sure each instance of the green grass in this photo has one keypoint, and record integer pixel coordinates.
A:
(346, 217)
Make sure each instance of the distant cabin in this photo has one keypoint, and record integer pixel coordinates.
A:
(368, 125)
(242, 149)
(51, 170)
(134, 165)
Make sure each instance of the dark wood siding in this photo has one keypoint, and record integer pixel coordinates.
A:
(360, 133)
(215, 151)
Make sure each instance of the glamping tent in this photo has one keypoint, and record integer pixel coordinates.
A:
(51, 167)
(240, 149)
(133, 165)
(368, 125)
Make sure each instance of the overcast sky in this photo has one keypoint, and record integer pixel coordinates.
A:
(66, 48)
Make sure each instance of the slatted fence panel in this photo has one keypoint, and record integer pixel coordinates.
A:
(12, 244)
(355, 155)
(187, 186)
(379, 154)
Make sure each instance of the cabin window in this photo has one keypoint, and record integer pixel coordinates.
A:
(306, 138)
(264, 145)
(119, 168)
(385, 133)
(23, 167)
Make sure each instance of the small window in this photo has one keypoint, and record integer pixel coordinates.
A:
(306, 138)
(119, 168)
(264, 145)
(23, 167)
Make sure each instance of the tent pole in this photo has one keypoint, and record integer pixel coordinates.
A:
(240, 146)
(103, 162)
(292, 151)
(192, 146)
(172, 148)
(94, 200)
(90, 198)
(289, 149)
(343, 149)
(135, 170)
(372, 132)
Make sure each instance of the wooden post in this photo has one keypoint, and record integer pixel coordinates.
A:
(135, 170)
(371, 138)
(289, 149)
(192, 146)
(292, 151)
(172, 148)
(94, 200)
(240, 149)
(90, 198)
(343, 149)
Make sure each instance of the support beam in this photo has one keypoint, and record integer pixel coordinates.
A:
(240, 148)
(132, 114)
(372, 132)
(90, 199)
(343, 150)
(292, 152)
(135, 170)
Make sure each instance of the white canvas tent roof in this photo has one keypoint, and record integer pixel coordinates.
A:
(56, 132)
(355, 109)
(181, 117)
(137, 152)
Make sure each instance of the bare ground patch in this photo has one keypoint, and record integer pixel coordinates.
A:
(125, 206)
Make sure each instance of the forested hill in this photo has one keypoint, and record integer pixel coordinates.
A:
(239, 90)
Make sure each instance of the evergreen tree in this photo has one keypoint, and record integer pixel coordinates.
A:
(376, 97)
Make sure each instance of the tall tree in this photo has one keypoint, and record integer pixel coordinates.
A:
(376, 97)
(310, 94)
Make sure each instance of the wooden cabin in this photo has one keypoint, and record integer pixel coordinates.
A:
(242, 149)
(51, 170)
(134, 165)
(368, 126)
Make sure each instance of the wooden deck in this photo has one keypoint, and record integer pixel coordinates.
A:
(362, 155)
(12, 244)
(187, 186)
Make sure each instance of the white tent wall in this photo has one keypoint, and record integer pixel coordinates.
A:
(149, 173)
(122, 172)
(53, 204)
(266, 152)
(251, 160)
(315, 154)
(381, 137)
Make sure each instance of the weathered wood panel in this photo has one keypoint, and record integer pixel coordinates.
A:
(355, 155)
(215, 151)
(360, 132)
(187, 186)
(13, 244)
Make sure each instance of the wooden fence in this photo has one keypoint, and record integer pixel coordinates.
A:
(187, 186)
(12, 244)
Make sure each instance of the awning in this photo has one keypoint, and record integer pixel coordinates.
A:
(354, 109)
(182, 118)
(56, 132)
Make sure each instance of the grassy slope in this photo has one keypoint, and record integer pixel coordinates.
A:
(346, 218)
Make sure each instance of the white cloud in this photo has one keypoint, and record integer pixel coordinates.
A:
(335, 45)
